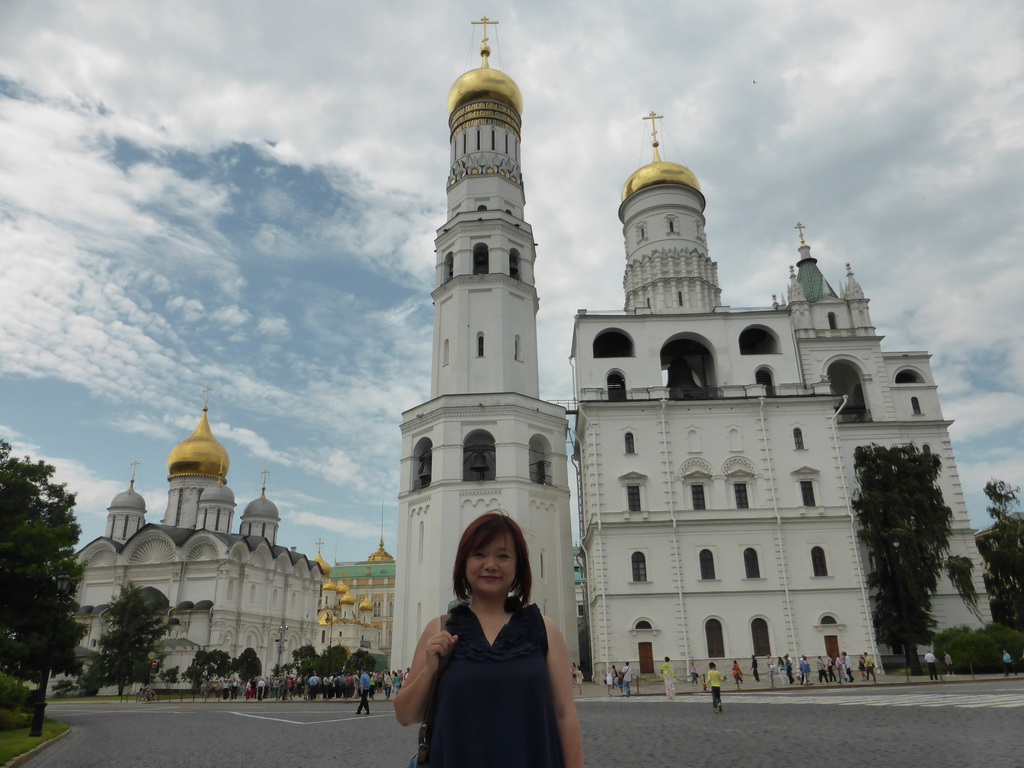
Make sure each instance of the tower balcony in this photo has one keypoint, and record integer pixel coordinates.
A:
(728, 392)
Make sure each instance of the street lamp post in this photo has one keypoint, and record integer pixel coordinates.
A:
(280, 643)
(63, 586)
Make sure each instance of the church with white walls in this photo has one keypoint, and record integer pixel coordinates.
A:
(716, 450)
(484, 440)
(219, 590)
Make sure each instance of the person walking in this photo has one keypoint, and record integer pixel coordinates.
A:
(694, 676)
(869, 666)
(503, 656)
(627, 680)
(822, 671)
(670, 679)
(609, 679)
(715, 681)
(737, 673)
(364, 692)
(930, 660)
(948, 660)
(753, 669)
(1007, 663)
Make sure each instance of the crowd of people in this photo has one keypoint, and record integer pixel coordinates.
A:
(313, 686)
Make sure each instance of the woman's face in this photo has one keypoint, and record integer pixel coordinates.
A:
(491, 569)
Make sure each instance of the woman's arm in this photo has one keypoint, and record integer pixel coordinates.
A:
(411, 699)
(561, 692)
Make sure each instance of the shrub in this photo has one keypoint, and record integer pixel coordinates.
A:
(11, 721)
(13, 693)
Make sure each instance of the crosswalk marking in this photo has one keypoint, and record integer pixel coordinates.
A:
(937, 700)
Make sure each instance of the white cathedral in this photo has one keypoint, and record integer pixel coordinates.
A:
(219, 590)
(715, 445)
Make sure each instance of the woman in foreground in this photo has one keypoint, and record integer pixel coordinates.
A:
(504, 698)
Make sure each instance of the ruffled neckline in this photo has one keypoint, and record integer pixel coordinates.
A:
(519, 637)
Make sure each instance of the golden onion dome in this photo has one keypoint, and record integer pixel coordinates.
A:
(328, 586)
(660, 172)
(366, 606)
(199, 454)
(349, 600)
(381, 555)
(325, 569)
(485, 84)
(342, 588)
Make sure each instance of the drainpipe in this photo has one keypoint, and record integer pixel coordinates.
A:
(675, 535)
(778, 526)
(853, 535)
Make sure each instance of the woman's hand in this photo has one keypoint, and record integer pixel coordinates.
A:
(437, 646)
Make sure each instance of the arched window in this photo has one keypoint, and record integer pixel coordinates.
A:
(252, 593)
(423, 461)
(539, 466)
(616, 387)
(639, 566)
(713, 636)
(758, 341)
(915, 405)
(513, 264)
(480, 344)
(798, 439)
(689, 369)
(818, 561)
(449, 266)
(629, 443)
(478, 456)
(707, 564)
(679, 298)
(481, 207)
(750, 563)
(643, 625)
(926, 449)
(613, 344)
(763, 377)
(845, 379)
(828, 619)
(907, 377)
(832, 324)
(759, 637)
(481, 259)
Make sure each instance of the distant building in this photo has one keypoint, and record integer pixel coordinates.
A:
(218, 589)
(357, 607)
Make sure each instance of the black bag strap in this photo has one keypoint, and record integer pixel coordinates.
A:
(426, 727)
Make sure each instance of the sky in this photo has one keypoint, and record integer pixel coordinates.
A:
(243, 196)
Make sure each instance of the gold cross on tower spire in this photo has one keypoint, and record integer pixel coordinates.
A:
(206, 398)
(654, 133)
(801, 227)
(132, 483)
(265, 472)
(485, 49)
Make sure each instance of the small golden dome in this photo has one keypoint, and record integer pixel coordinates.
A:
(485, 84)
(366, 606)
(328, 586)
(660, 172)
(348, 600)
(342, 588)
(199, 454)
(381, 555)
(324, 567)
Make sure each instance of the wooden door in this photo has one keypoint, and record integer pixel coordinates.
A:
(646, 651)
(832, 646)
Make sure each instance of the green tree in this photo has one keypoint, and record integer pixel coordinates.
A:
(967, 647)
(38, 534)
(1002, 547)
(169, 675)
(333, 660)
(248, 665)
(906, 525)
(207, 665)
(361, 659)
(306, 660)
(134, 628)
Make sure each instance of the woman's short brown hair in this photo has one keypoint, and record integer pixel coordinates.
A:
(479, 534)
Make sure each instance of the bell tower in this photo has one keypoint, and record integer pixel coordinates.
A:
(484, 440)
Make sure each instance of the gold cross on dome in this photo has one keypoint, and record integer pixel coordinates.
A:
(265, 472)
(134, 465)
(653, 117)
(206, 397)
(319, 543)
(801, 227)
(485, 21)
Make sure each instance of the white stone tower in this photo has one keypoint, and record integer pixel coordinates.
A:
(484, 440)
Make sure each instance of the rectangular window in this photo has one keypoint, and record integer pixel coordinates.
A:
(741, 496)
(633, 498)
(807, 490)
(697, 494)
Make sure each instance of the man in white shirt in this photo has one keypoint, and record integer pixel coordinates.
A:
(627, 679)
(933, 672)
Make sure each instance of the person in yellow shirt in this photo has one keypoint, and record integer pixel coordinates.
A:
(670, 678)
(715, 681)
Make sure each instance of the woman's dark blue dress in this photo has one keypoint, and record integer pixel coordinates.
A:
(494, 704)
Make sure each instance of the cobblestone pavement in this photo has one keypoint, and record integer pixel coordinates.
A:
(931, 726)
